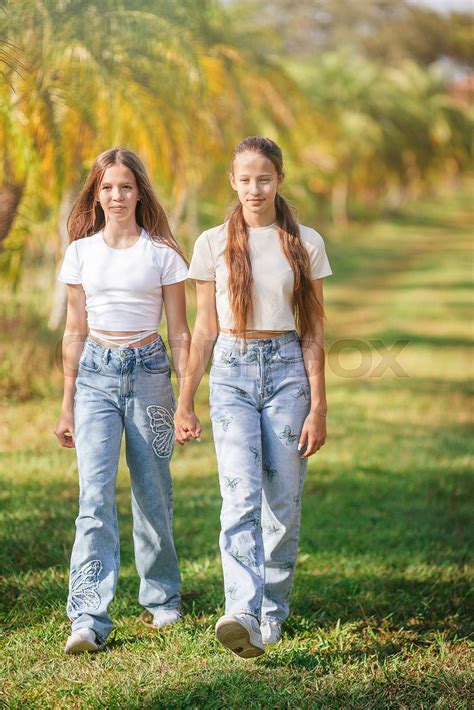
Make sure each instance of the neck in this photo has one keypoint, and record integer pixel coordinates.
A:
(265, 219)
(120, 232)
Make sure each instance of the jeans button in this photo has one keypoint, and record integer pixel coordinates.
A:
(261, 343)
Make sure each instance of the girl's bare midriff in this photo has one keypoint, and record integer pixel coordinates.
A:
(252, 334)
(111, 333)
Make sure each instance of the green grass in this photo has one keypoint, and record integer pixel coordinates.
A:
(380, 606)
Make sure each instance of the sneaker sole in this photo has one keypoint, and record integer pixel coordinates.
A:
(234, 636)
(81, 647)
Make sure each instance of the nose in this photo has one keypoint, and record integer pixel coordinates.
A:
(117, 194)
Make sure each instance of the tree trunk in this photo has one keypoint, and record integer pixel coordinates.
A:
(10, 198)
(58, 307)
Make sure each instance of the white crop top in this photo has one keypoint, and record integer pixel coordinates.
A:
(123, 287)
(272, 275)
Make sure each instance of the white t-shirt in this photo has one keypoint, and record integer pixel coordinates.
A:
(272, 274)
(123, 287)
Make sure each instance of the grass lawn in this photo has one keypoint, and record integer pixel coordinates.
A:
(380, 605)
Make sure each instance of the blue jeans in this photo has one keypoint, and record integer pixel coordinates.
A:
(126, 389)
(260, 397)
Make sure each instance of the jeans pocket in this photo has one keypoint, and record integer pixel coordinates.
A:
(155, 363)
(290, 353)
(90, 361)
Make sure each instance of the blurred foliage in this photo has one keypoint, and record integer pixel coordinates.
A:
(348, 90)
(380, 30)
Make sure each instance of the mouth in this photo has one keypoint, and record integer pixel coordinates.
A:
(117, 209)
(255, 202)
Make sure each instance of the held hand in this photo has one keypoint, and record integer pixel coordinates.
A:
(313, 435)
(64, 430)
(186, 425)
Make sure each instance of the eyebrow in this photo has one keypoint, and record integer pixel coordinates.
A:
(262, 175)
(125, 182)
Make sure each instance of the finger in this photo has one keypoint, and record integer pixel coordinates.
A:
(195, 431)
(310, 449)
(180, 438)
(302, 439)
(181, 432)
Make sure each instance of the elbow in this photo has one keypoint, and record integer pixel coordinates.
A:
(207, 331)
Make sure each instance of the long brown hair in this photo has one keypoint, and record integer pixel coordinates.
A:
(308, 310)
(87, 216)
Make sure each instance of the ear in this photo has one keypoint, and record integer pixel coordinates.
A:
(280, 179)
(232, 181)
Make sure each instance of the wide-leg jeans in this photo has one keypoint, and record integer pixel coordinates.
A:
(259, 397)
(126, 389)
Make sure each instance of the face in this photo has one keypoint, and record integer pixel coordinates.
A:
(118, 193)
(256, 182)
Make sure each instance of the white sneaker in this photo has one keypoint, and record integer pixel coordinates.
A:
(241, 633)
(161, 618)
(271, 631)
(83, 641)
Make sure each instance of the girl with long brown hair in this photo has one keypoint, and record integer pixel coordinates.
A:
(121, 266)
(259, 283)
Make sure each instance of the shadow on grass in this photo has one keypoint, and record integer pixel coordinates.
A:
(374, 517)
(259, 688)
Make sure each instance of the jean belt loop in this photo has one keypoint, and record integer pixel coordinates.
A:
(106, 356)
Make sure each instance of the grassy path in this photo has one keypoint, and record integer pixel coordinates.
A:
(380, 614)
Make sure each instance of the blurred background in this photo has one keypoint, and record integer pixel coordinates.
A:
(371, 102)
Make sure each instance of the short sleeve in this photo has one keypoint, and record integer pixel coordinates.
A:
(70, 271)
(173, 267)
(320, 266)
(202, 265)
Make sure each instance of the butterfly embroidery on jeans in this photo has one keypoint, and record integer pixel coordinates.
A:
(302, 391)
(272, 529)
(228, 359)
(256, 453)
(83, 588)
(225, 419)
(269, 470)
(287, 436)
(231, 483)
(161, 422)
(232, 591)
(243, 559)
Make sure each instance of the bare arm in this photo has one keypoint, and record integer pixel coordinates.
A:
(75, 333)
(204, 336)
(179, 336)
(313, 435)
